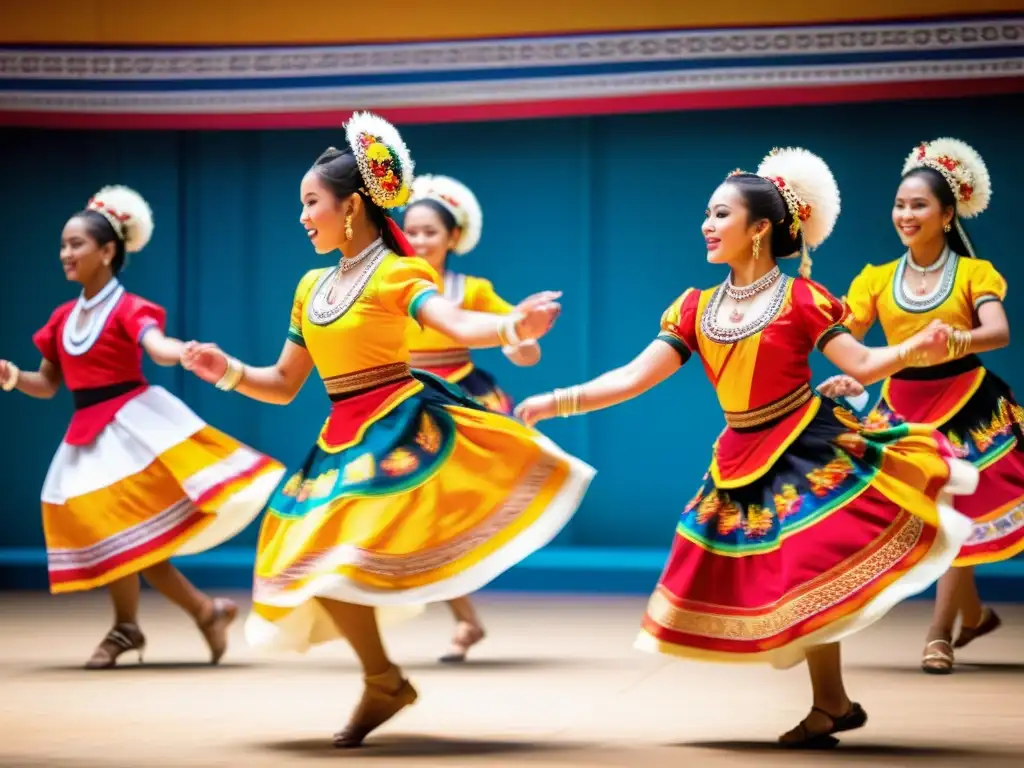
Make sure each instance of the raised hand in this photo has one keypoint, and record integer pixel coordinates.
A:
(537, 317)
(835, 387)
(536, 408)
(537, 299)
(206, 361)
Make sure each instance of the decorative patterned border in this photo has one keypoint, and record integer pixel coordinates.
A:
(517, 53)
(525, 77)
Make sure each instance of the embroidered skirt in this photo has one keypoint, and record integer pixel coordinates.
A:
(474, 382)
(156, 483)
(414, 494)
(978, 414)
(845, 523)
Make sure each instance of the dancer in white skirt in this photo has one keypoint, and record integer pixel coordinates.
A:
(139, 477)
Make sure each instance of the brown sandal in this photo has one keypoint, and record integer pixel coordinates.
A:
(466, 636)
(381, 701)
(855, 717)
(120, 639)
(215, 627)
(937, 662)
(990, 622)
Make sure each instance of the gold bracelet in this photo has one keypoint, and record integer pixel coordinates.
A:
(958, 343)
(14, 373)
(232, 376)
(568, 401)
(912, 358)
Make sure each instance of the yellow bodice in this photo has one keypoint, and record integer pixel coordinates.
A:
(465, 291)
(877, 293)
(371, 328)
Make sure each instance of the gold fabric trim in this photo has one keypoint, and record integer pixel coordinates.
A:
(439, 358)
(817, 597)
(367, 378)
(770, 412)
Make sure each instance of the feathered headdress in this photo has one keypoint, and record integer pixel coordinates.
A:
(128, 213)
(459, 201)
(962, 168)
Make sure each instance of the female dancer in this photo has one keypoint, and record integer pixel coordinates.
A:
(444, 217)
(414, 492)
(939, 278)
(807, 526)
(139, 478)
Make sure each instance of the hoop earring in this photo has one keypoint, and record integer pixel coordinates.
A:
(348, 227)
(757, 248)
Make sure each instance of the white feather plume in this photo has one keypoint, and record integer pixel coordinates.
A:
(812, 181)
(367, 122)
(131, 209)
(969, 172)
(458, 200)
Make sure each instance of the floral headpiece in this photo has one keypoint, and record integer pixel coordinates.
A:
(128, 213)
(963, 169)
(459, 201)
(809, 191)
(383, 159)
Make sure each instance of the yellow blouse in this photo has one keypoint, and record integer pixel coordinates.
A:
(371, 330)
(473, 293)
(877, 293)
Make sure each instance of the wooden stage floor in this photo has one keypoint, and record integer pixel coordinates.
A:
(555, 684)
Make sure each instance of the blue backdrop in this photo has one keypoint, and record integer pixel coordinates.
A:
(606, 209)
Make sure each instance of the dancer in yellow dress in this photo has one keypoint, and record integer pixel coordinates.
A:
(444, 217)
(138, 478)
(808, 526)
(940, 278)
(414, 493)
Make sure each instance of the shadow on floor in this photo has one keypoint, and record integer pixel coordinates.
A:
(390, 747)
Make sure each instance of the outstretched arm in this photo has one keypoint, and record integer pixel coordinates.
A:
(42, 384)
(870, 364)
(480, 330)
(648, 369)
(277, 384)
(163, 350)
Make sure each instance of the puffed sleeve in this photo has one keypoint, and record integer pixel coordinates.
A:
(481, 297)
(821, 313)
(302, 292)
(405, 283)
(47, 338)
(138, 316)
(860, 302)
(678, 328)
(985, 283)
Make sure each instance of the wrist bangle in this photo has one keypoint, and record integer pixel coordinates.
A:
(958, 343)
(13, 374)
(508, 335)
(568, 401)
(232, 376)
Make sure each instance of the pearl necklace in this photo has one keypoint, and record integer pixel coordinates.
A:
(760, 285)
(935, 266)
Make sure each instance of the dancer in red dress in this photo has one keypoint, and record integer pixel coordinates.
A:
(808, 526)
(138, 478)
